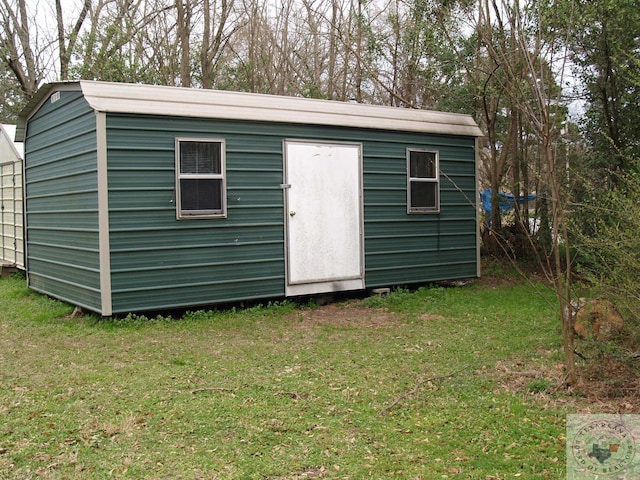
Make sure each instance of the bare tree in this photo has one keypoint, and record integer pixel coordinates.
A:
(333, 54)
(184, 25)
(114, 44)
(67, 40)
(214, 40)
(20, 52)
(526, 61)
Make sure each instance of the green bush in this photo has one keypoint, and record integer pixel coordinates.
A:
(607, 238)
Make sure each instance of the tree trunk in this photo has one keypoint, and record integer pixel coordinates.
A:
(184, 28)
(17, 52)
(561, 262)
(66, 45)
(205, 59)
(333, 33)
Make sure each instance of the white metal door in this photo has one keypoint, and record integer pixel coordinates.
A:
(323, 217)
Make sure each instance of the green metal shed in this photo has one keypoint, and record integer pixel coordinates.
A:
(146, 197)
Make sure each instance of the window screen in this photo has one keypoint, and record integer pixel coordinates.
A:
(423, 184)
(200, 182)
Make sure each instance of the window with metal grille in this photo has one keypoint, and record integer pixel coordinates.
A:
(200, 178)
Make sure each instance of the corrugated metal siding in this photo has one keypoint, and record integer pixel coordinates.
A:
(160, 262)
(11, 211)
(62, 206)
(401, 248)
(11, 219)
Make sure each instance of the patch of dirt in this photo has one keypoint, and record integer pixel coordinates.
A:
(613, 388)
(611, 380)
(350, 315)
(518, 376)
(309, 472)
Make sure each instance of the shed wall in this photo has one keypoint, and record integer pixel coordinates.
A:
(61, 201)
(160, 262)
(403, 248)
(11, 216)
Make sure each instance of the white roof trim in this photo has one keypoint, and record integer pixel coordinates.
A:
(199, 103)
(9, 131)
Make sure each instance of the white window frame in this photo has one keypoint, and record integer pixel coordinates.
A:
(199, 214)
(432, 180)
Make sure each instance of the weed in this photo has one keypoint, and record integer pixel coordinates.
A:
(539, 385)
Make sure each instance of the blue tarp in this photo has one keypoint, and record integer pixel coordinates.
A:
(506, 200)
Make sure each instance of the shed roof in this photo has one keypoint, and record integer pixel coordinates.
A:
(9, 133)
(199, 103)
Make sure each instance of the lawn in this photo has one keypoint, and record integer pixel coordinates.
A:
(455, 382)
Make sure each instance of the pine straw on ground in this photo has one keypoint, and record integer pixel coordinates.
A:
(607, 388)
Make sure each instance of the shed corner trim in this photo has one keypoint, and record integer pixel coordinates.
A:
(103, 214)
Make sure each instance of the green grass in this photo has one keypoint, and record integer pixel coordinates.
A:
(405, 386)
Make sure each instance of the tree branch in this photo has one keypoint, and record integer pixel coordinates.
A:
(417, 388)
